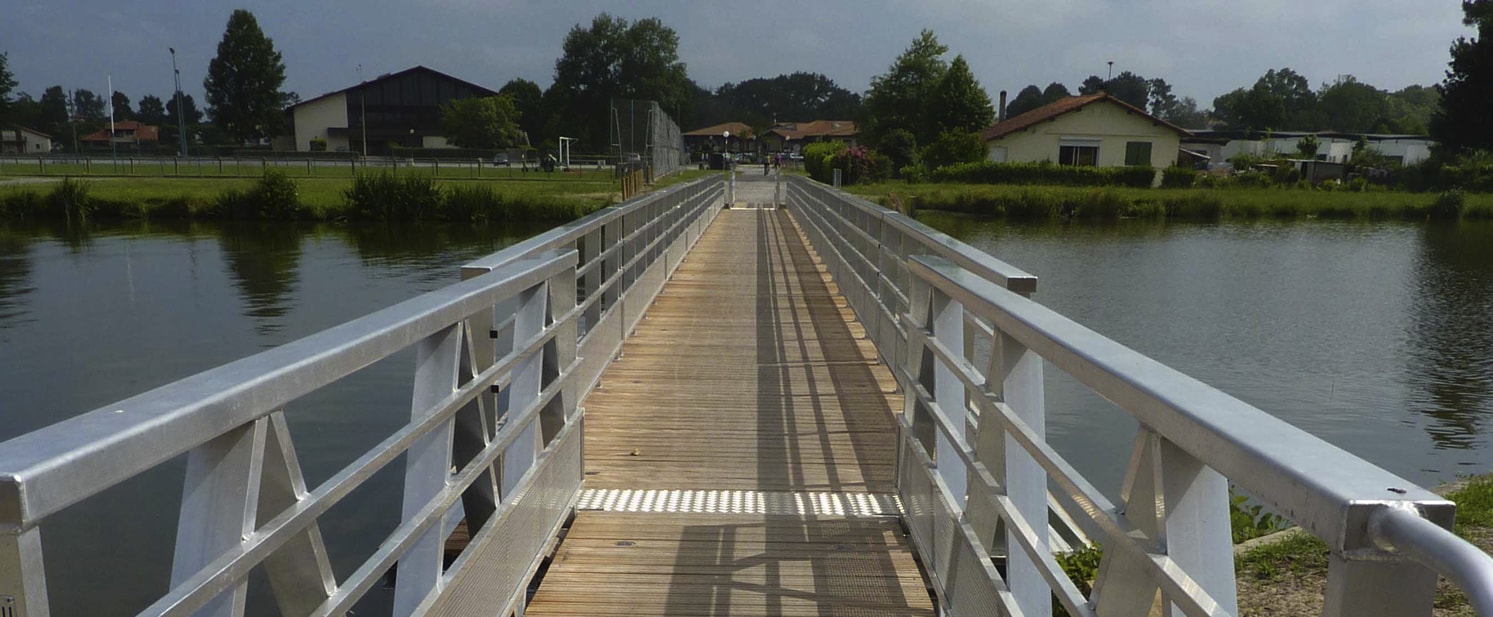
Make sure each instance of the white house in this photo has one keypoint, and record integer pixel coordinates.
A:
(1333, 147)
(1094, 129)
(18, 140)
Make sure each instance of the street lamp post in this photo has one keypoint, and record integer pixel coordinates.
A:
(363, 110)
(181, 123)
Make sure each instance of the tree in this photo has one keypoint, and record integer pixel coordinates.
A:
(54, 112)
(1028, 99)
(897, 99)
(1055, 91)
(488, 123)
(1255, 109)
(243, 81)
(959, 104)
(88, 106)
(7, 84)
(191, 115)
(151, 110)
(1352, 106)
(1129, 87)
(1297, 100)
(1463, 123)
(528, 99)
(121, 105)
(1187, 115)
(1308, 146)
(612, 59)
(789, 97)
(1163, 102)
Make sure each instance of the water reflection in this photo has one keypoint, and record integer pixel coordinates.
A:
(15, 273)
(263, 263)
(1450, 370)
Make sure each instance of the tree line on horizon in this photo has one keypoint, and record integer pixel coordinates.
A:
(921, 99)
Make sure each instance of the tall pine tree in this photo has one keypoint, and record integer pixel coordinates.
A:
(243, 81)
(1463, 122)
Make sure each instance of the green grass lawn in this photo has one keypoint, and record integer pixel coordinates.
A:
(563, 194)
(253, 168)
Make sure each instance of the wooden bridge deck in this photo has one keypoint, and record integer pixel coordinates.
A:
(740, 453)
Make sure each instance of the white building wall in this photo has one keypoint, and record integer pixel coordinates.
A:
(314, 118)
(1110, 125)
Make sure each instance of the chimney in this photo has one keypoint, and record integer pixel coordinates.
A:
(1000, 112)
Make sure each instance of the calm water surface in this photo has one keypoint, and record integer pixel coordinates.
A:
(1376, 337)
(89, 317)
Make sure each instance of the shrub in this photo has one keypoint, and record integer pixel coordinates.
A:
(386, 196)
(913, 174)
(318, 144)
(901, 148)
(859, 165)
(273, 196)
(816, 159)
(69, 199)
(954, 148)
(1178, 178)
(990, 172)
(22, 203)
(1358, 185)
(1448, 205)
(1255, 179)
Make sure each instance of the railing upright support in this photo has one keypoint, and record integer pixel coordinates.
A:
(1019, 374)
(427, 465)
(23, 581)
(1387, 588)
(220, 498)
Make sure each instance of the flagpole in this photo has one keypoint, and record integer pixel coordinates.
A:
(113, 146)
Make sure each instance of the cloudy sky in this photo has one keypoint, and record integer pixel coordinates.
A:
(1202, 47)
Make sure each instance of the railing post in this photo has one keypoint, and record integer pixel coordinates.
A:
(949, 393)
(219, 502)
(1388, 588)
(1019, 375)
(427, 465)
(1182, 506)
(524, 388)
(23, 580)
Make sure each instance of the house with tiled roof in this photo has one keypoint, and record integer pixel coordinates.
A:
(128, 135)
(791, 136)
(732, 136)
(1095, 129)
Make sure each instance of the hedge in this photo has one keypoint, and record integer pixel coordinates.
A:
(1048, 174)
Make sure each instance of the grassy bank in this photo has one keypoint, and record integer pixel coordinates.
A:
(406, 196)
(253, 168)
(1289, 576)
(1038, 202)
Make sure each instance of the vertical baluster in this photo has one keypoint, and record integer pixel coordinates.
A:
(220, 496)
(592, 283)
(1020, 377)
(300, 573)
(1182, 506)
(949, 393)
(524, 388)
(23, 580)
(427, 466)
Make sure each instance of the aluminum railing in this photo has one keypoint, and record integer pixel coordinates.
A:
(494, 435)
(977, 475)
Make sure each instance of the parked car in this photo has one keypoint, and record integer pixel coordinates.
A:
(500, 158)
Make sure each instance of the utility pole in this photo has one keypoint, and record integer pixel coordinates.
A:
(181, 121)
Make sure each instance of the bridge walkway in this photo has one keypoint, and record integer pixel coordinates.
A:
(740, 453)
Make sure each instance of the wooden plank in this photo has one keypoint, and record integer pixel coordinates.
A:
(748, 373)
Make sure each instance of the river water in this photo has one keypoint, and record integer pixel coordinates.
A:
(1377, 337)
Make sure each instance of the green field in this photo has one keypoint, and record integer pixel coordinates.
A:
(1015, 201)
(557, 196)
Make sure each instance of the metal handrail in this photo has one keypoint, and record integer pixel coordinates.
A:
(513, 325)
(1406, 531)
(926, 299)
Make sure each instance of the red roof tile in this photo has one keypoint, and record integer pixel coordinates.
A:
(817, 128)
(1063, 106)
(736, 128)
(143, 132)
